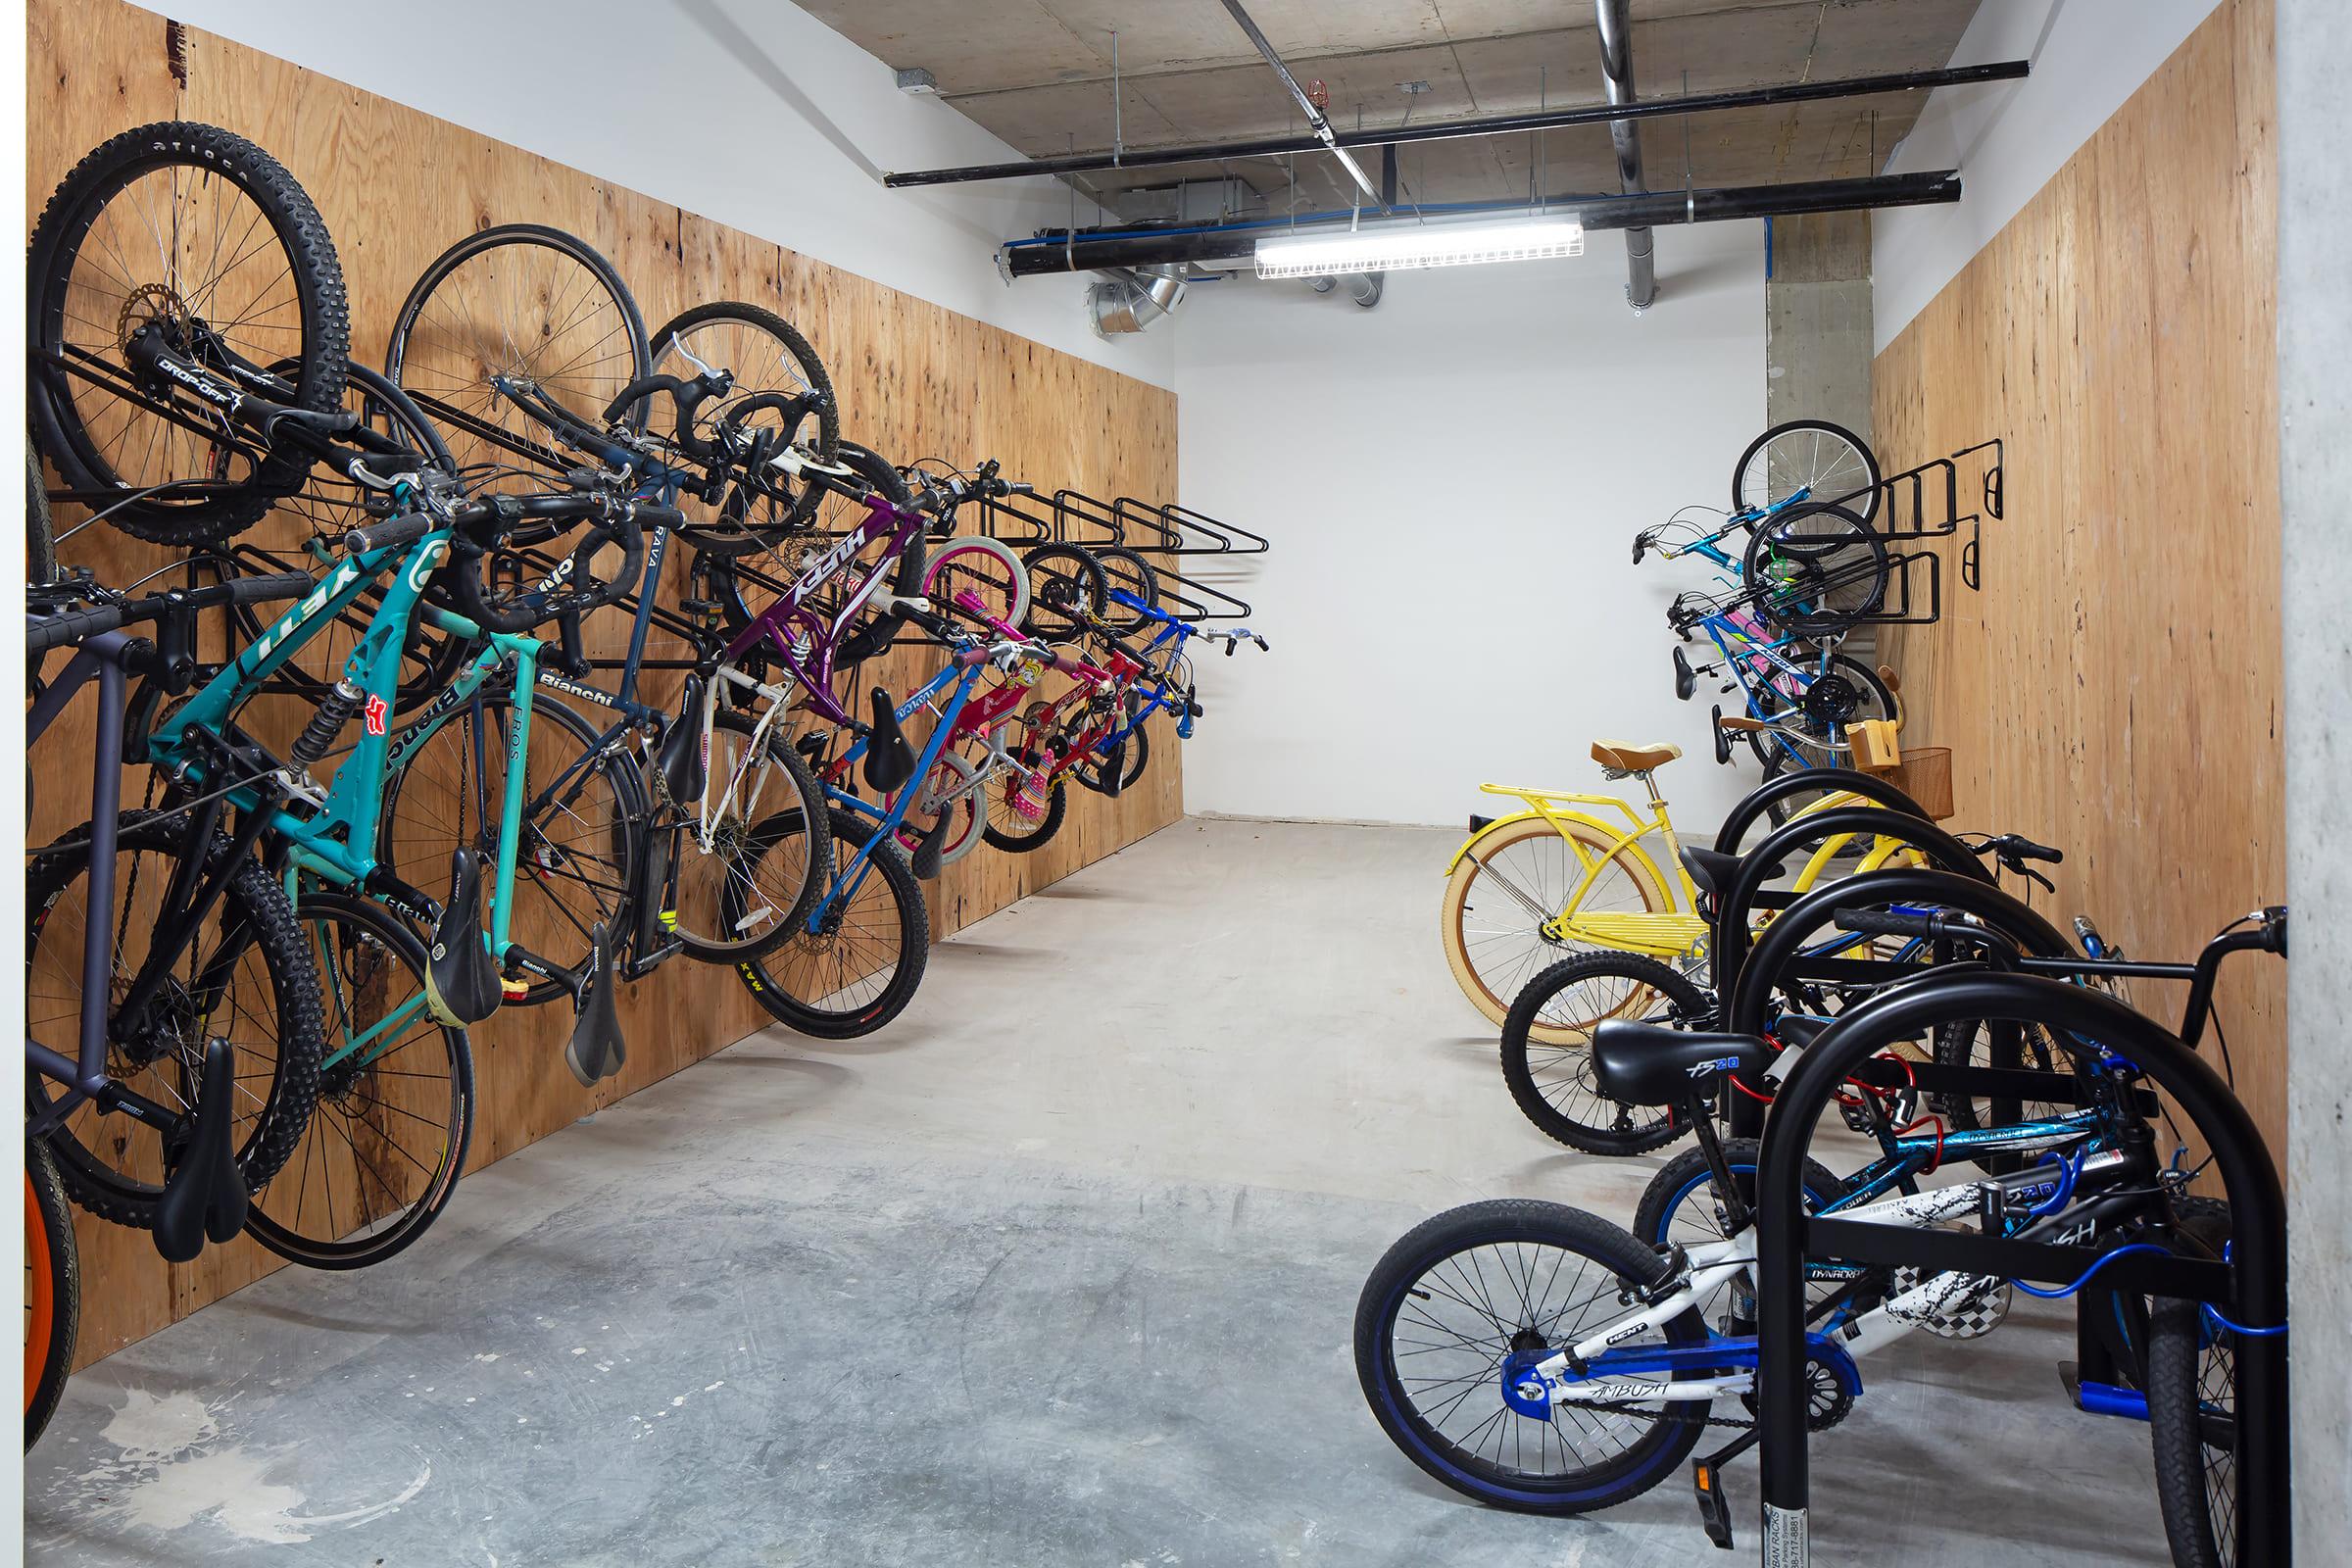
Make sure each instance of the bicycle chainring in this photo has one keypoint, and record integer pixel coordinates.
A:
(1831, 702)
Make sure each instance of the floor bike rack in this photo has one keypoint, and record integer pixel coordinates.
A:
(2251, 1285)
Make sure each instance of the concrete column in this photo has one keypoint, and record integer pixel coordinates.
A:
(2315, 404)
(1816, 321)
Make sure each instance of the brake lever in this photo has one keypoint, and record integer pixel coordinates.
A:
(678, 344)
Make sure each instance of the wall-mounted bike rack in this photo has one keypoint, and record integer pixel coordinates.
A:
(1924, 503)
(1160, 533)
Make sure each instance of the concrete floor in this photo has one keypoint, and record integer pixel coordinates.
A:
(1060, 1269)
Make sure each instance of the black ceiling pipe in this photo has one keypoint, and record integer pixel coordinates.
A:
(1796, 92)
(1081, 254)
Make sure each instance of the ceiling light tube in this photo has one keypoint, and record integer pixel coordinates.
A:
(1396, 247)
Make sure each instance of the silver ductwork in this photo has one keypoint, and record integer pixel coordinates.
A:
(1130, 300)
(1363, 287)
(1617, 69)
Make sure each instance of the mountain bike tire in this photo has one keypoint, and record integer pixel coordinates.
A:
(202, 161)
(112, 1165)
(414, 1098)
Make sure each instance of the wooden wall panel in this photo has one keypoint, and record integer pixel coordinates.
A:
(2116, 687)
(396, 187)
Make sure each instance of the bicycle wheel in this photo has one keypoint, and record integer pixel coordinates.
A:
(1823, 460)
(1551, 1080)
(1024, 813)
(2192, 1420)
(395, 1112)
(1491, 920)
(1847, 692)
(769, 360)
(1479, 1293)
(530, 305)
(245, 976)
(577, 849)
(1067, 589)
(41, 540)
(1139, 752)
(982, 567)
(1130, 573)
(953, 785)
(52, 1290)
(859, 965)
(1816, 569)
(1679, 1207)
(737, 898)
(1997, 1042)
(205, 239)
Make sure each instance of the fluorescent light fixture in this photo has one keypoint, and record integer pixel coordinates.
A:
(1395, 246)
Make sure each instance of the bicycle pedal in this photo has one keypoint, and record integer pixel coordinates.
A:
(513, 986)
(1714, 1510)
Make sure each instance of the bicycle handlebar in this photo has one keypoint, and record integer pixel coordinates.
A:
(75, 625)
(502, 512)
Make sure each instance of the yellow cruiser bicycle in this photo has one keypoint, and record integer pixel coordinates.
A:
(1563, 876)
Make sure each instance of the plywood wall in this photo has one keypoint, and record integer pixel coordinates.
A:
(2115, 688)
(396, 187)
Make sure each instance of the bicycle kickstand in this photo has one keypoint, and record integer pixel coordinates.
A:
(1706, 1485)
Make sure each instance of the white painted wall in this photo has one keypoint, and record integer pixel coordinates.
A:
(1452, 482)
(749, 111)
(2008, 138)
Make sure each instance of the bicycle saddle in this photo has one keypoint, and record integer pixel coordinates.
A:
(1630, 758)
(204, 1196)
(460, 980)
(1713, 871)
(685, 771)
(596, 1050)
(1658, 1065)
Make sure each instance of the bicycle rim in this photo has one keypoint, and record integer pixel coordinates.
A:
(531, 305)
(387, 1140)
(578, 849)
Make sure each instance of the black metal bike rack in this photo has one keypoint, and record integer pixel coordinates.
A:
(1924, 503)
(2251, 1285)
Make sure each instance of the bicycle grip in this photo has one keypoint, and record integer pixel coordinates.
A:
(70, 626)
(386, 535)
(275, 585)
(1885, 922)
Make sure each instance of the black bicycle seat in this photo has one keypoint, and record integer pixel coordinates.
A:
(460, 979)
(205, 1195)
(597, 1049)
(685, 771)
(1658, 1065)
(1714, 871)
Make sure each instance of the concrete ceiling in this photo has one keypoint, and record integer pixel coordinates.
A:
(1038, 72)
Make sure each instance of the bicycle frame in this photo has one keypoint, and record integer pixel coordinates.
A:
(803, 641)
(336, 839)
(1677, 931)
(1613, 1376)
(103, 658)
